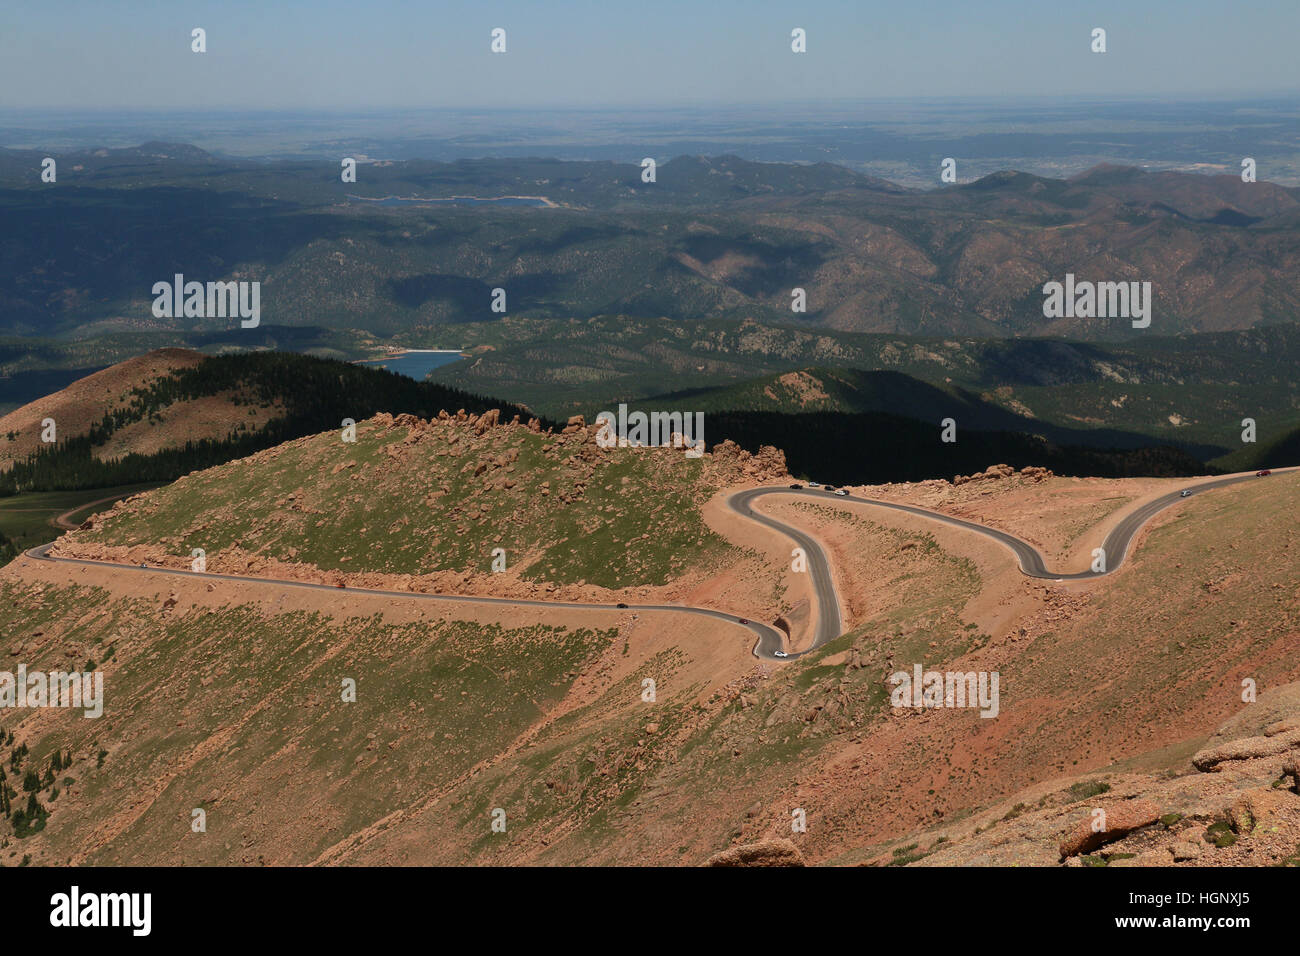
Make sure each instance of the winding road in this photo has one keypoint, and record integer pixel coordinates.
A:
(770, 640)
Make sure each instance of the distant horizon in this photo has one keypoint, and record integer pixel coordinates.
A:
(898, 139)
(330, 55)
(828, 103)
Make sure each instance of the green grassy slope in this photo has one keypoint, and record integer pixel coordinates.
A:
(417, 499)
(247, 721)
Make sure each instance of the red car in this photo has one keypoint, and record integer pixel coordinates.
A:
(1261, 474)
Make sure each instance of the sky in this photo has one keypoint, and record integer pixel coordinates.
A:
(330, 55)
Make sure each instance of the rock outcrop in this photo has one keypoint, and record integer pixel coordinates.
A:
(998, 472)
(1116, 820)
(763, 853)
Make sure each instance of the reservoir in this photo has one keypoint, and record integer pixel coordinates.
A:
(416, 363)
(455, 201)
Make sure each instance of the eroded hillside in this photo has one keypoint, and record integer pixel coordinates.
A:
(585, 765)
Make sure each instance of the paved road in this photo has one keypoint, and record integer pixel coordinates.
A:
(829, 625)
(769, 639)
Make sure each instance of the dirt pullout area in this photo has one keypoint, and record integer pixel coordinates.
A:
(86, 401)
(1064, 518)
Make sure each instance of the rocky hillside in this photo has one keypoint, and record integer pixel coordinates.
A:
(1233, 802)
(1109, 701)
(429, 502)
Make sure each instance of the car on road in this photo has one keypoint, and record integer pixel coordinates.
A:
(841, 491)
(622, 606)
(814, 484)
(796, 487)
(1261, 474)
(744, 620)
(1185, 493)
(780, 654)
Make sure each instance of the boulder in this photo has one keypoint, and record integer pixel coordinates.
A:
(487, 420)
(763, 853)
(1121, 819)
(1246, 748)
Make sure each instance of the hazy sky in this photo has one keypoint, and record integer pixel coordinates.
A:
(386, 53)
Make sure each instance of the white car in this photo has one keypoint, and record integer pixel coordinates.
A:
(841, 492)
(814, 484)
(782, 654)
(1187, 493)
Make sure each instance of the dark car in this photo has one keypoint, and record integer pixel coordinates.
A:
(622, 606)
(796, 487)
(1261, 474)
(744, 620)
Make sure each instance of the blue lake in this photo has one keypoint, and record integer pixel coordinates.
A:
(415, 365)
(453, 201)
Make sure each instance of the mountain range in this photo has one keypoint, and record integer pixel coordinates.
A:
(710, 237)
